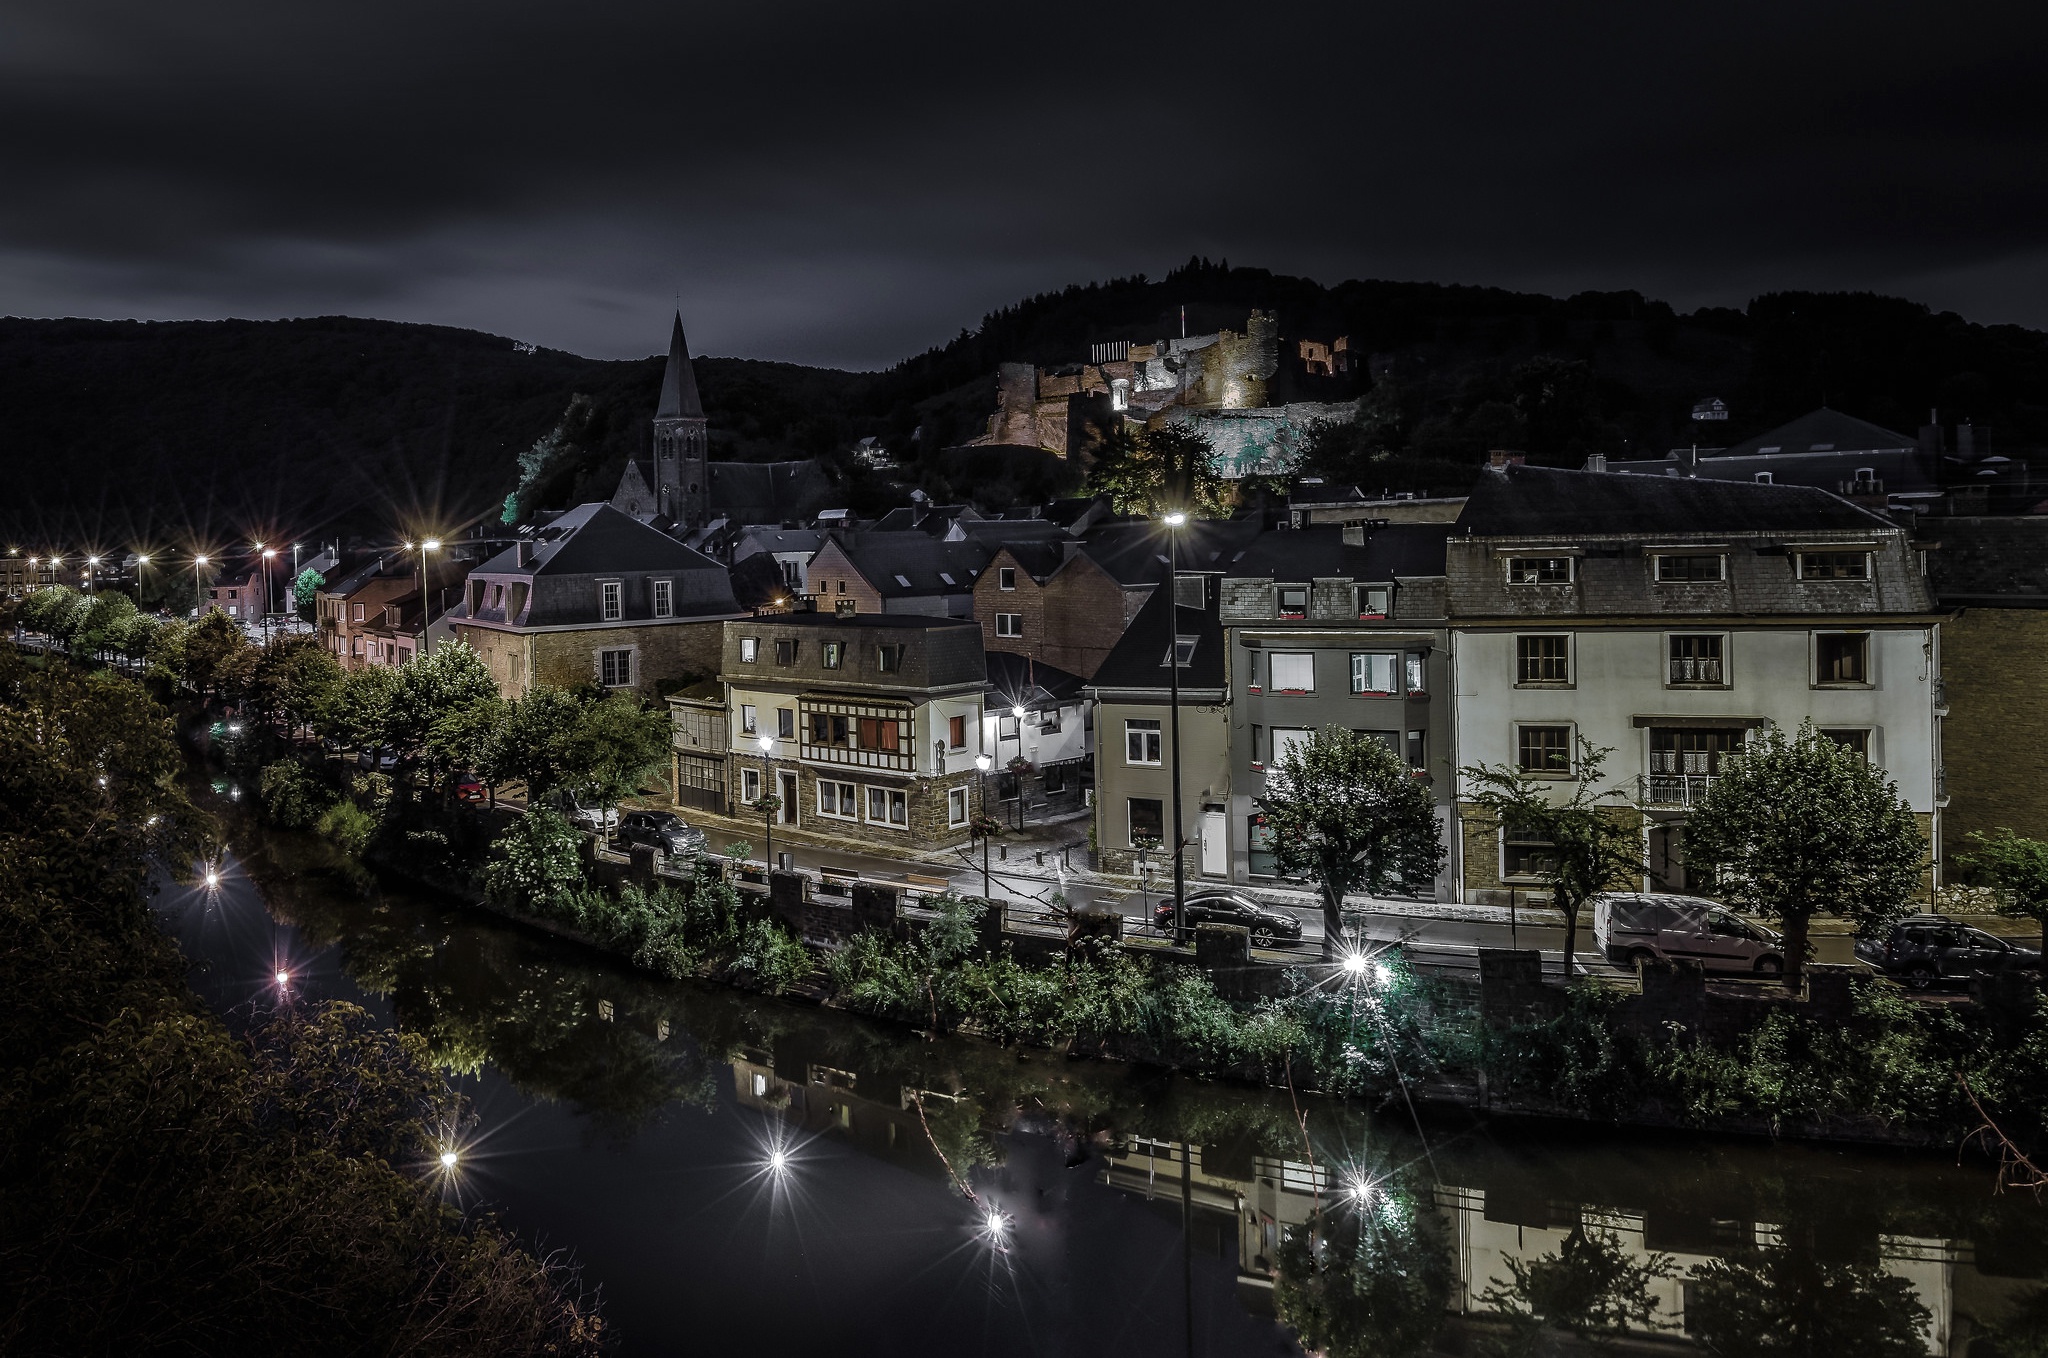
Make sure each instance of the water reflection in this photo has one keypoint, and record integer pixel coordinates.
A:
(1131, 1212)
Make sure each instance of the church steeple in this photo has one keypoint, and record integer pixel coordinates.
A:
(679, 382)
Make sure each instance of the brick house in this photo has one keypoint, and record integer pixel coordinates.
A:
(352, 614)
(872, 723)
(895, 572)
(596, 597)
(239, 594)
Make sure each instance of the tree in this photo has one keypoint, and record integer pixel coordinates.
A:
(1594, 846)
(218, 656)
(534, 743)
(306, 591)
(360, 713)
(536, 862)
(2016, 870)
(105, 620)
(1344, 809)
(1149, 471)
(1591, 1287)
(297, 679)
(1372, 1282)
(432, 688)
(1768, 1303)
(1802, 824)
(616, 744)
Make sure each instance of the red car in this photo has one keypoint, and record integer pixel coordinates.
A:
(467, 787)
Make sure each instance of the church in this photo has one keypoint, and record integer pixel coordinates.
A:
(673, 484)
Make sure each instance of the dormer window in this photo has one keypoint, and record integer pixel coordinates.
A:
(1006, 577)
(1834, 565)
(1539, 570)
(1673, 569)
(613, 606)
(1374, 601)
(1294, 601)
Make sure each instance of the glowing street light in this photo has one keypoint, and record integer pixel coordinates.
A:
(1355, 963)
(284, 978)
(212, 880)
(982, 764)
(448, 1159)
(778, 1160)
(769, 804)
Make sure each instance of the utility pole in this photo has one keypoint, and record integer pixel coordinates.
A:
(1174, 522)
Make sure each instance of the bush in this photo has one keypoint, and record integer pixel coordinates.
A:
(348, 825)
(291, 796)
(537, 862)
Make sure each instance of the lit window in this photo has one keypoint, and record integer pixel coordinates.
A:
(1418, 680)
(956, 807)
(748, 718)
(1294, 601)
(750, 650)
(1539, 570)
(829, 653)
(1374, 601)
(750, 785)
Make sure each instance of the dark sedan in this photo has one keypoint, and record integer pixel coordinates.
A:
(1924, 949)
(664, 830)
(1268, 926)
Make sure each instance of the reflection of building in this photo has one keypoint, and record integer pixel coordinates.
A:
(876, 1117)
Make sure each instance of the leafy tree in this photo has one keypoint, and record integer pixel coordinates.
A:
(297, 680)
(218, 656)
(535, 742)
(1798, 825)
(2016, 869)
(290, 796)
(1372, 1282)
(1344, 809)
(306, 591)
(1773, 1302)
(616, 744)
(1150, 471)
(105, 622)
(537, 861)
(1590, 1287)
(1595, 844)
(361, 710)
(467, 737)
(430, 689)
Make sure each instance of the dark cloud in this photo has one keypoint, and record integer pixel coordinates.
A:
(849, 183)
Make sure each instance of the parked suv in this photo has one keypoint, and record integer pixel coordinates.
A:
(1268, 926)
(1923, 949)
(582, 813)
(1638, 926)
(665, 830)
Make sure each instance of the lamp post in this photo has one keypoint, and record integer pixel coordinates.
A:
(1017, 715)
(769, 806)
(268, 602)
(198, 563)
(426, 609)
(92, 566)
(1174, 522)
(982, 764)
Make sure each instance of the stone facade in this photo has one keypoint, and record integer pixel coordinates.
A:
(837, 583)
(520, 661)
(929, 825)
(1071, 619)
(1995, 741)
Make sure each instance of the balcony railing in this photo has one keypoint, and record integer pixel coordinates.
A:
(1688, 669)
(1675, 789)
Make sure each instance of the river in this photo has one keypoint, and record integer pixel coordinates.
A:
(635, 1124)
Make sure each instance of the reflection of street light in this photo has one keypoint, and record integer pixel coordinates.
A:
(982, 764)
(1174, 523)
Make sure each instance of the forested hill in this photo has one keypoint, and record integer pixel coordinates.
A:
(207, 431)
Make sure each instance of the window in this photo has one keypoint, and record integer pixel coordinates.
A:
(1006, 727)
(750, 650)
(1418, 674)
(664, 598)
(879, 733)
(1293, 671)
(956, 733)
(946, 577)
(845, 608)
(1141, 741)
(1526, 860)
(785, 651)
(359, 612)
(829, 653)
(1053, 781)
(1373, 600)
(842, 587)
(614, 600)
(750, 785)
(1009, 624)
(1148, 822)
(785, 722)
(1009, 787)
(793, 573)
(887, 806)
(1685, 761)
(1539, 570)
(1841, 657)
(1006, 577)
(1049, 722)
(1286, 738)
(832, 730)
(1372, 673)
(1258, 744)
(837, 800)
(1697, 660)
(903, 580)
(615, 669)
(1834, 565)
(1856, 739)
(1185, 647)
(1544, 749)
(1418, 749)
(747, 719)
(956, 807)
(888, 659)
(1294, 601)
(1545, 659)
(1684, 570)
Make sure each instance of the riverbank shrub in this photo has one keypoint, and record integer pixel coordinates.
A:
(536, 862)
(292, 798)
(348, 825)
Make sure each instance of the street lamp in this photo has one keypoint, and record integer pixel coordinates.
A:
(426, 611)
(198, 562)
(92, 565)
(1174, 523)
(769, 806)
(982, 764)
(269, 603)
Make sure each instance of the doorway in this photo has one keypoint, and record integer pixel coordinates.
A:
(1215, 843)
(786, 790)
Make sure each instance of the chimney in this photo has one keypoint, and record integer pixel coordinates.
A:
(1966, 441)
(1597, 462)
(1497, 459)
(1930, 434)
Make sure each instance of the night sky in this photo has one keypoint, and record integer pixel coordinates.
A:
(847, 184)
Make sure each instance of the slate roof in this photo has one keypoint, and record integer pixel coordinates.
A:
(768, 492)
(678, 381)
(1399, 550)
(1138, 661)
(1819, 431)
(1019, 681)
(595, 537)
(757, 582)
(916, 557)
(1982, 559)
(1522, 501)
(1134, 552)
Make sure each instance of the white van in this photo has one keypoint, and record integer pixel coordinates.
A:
(1633, 926)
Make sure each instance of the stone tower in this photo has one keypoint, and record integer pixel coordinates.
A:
(674, 481)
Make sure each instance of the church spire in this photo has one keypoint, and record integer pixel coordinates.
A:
(679, 384)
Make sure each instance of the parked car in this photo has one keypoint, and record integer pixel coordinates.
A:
(582, 811)
(665, 830)
(1635, 926)
(382, 758)
(1923, 949)
(1268, 926)
(467, 787)
(332, 747)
